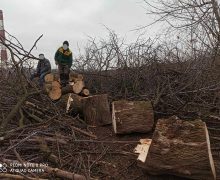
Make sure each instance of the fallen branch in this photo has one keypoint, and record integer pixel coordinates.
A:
(18, 177)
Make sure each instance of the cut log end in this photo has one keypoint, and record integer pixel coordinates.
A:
(55, 93)
(49, 78)
(85, 92)
(78, 87)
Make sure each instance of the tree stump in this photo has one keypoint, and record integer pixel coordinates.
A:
(180, 148)
(96, 110)
(132, 116)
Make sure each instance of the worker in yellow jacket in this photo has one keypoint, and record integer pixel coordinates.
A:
(64, 59)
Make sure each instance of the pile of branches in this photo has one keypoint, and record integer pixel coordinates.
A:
(177, 81)
(33, 129)
(40, 141)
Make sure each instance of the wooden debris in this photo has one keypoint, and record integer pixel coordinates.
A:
(142, 149)
(180, 148)
(132, 116)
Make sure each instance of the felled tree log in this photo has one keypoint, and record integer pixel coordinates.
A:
(78, 87)
(180, 148)
(74, 77)
(132, 116)
(55, 91)
(51, 77)
(85, 92)
(96, 110)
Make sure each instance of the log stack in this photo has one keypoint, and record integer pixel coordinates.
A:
(55, 91)
(132, 116)
(180, 148)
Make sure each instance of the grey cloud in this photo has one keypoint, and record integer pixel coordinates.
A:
(71, 20)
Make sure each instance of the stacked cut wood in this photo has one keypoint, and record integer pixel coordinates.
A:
(180, 148)
(132, 116)
(75, 99)
(55, 91)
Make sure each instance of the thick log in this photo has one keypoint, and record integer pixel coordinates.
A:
(49, 78)
(55, 92)
(74, 77)
(180, 148)
(96, 110)
(78, 86)
(132, 116)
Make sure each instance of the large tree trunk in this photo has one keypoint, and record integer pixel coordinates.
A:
(96, 110)
(132, 116)
(180, 148)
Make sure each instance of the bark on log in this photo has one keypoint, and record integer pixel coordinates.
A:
(180, 148)
(132, 116)
(96, 110)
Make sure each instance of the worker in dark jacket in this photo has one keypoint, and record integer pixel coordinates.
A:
(64, 59)
(43, 68)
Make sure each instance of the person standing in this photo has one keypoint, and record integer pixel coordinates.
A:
(43, 68)
(64, 59)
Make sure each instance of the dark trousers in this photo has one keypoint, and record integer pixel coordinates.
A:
(64, 72)
(41, 77)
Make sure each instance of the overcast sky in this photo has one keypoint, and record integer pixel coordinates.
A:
(72, 20)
